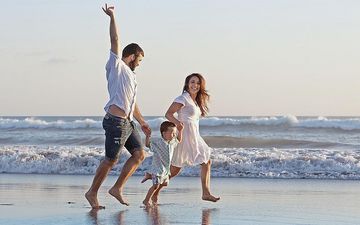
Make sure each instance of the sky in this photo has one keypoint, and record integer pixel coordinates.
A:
(259, 57)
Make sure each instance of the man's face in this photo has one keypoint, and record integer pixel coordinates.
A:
(136, 62)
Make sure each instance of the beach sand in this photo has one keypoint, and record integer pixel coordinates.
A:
(58, 199)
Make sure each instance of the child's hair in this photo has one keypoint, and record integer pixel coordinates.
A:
(165, 125)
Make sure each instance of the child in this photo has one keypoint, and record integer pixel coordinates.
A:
(163, 149)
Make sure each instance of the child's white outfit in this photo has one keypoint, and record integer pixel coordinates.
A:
(163, 152)
(192, 150)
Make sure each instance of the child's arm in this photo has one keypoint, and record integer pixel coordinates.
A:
(147, 141)
(180, 131)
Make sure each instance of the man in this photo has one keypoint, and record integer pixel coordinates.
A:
(118, 122)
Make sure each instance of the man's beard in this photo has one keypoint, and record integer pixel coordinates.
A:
(132, 65)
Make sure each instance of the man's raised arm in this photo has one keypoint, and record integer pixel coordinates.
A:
(114, 38)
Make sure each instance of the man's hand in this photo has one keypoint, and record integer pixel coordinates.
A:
(146, 129)
(108, 10)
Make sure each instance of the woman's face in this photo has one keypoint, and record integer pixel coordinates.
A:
(194, 85)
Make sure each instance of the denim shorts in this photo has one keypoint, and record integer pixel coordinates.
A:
(119, 133)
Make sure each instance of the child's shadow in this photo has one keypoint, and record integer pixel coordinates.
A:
(155, 216)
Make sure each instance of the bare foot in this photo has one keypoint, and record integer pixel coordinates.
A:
(118, 195)
(210, 198)
(147, 204)
(146, 177)
(154, 199)
(93, 201)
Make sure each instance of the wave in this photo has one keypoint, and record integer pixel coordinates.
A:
(346, 124)
(33, 123)
(213, 141)
(252, 142)
(226, 162)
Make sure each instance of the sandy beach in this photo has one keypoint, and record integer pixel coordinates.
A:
(58, 199)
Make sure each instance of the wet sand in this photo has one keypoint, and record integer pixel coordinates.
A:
(59, 199)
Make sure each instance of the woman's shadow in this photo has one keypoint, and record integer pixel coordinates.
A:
(206, 216)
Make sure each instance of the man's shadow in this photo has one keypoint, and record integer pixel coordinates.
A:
(93, 216)
(120, 217)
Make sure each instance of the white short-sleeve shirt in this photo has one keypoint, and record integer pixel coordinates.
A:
(122, 85)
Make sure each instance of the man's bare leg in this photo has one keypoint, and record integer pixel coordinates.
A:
(128, 169)
(205, 183)
(173, 171)
(100, 175)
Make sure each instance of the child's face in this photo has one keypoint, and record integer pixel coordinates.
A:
(169, 134)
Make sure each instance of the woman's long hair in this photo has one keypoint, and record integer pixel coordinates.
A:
(202, 97)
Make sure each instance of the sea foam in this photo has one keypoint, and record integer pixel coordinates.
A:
(226, 162)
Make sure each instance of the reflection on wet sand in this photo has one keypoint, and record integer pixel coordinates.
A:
(205, 218)
(154, 216)
(93, 216)
(118, 218)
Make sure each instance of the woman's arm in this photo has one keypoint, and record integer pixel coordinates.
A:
(179, 136)
(174, 107)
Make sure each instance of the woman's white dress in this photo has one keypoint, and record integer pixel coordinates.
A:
(192, 150)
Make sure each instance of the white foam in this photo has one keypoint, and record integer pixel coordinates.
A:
(226, 162)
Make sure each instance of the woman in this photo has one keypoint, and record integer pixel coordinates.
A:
(193, 150)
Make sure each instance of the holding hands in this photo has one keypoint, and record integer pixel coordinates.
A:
(180, 126)
(146, 129)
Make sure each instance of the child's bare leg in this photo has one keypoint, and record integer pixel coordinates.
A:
(173, 171)
(150, 194)
(147, 176)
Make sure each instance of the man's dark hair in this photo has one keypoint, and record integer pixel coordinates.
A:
(165, 125)
(132, 49)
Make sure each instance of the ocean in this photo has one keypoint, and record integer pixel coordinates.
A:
(254, 147)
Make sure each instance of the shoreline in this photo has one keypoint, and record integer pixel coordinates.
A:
(59, 199)
(185, 176)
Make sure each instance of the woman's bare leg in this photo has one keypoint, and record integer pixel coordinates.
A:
(205, 183)
(173, 171)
